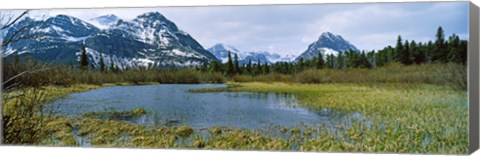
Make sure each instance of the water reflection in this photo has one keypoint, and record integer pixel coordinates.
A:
(173, 105)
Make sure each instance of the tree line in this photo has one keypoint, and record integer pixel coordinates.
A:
(451, 50)
(441, 50)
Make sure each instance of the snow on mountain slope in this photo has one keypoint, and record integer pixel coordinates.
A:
(220, 51)
(149, 40)
(327, 43)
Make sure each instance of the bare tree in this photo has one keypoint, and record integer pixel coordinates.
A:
(7, 22)
(20, 122)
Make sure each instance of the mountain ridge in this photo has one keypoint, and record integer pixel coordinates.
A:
(149, 40)
(327, 43)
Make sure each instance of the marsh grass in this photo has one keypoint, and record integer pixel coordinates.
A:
(136, 112)
(408, 109)
(409, 118)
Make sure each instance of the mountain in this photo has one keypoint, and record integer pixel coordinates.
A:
(327, 43)
(260, 56)
(105, 21)
(149, 40)
(55, 39)
(220, 51)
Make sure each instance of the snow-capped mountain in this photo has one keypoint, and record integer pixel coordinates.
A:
(260, 56)
(221, 52)
(149, 40)
(327, 43)
(105, 21)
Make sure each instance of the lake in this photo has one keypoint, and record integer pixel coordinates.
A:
(174, 104)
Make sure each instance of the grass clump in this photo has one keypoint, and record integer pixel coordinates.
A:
(399, 117)
(184, 131)
(136, 112)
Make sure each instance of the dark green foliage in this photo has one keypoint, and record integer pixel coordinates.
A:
(440, 54)
(215, 66)
(102, 63)
(405, 54)
(230, 67)
(249, 67)
(266, 68)
(83, 59)
(236, 66)
(321, 61)
(398, 49)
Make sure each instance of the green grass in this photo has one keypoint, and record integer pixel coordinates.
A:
(406, 118)
(413, 118)
(409, 109)
(116, 114)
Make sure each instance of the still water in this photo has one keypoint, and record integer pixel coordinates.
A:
(174, 104)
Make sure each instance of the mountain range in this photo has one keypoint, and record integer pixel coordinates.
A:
(149, 40)
(221, 50)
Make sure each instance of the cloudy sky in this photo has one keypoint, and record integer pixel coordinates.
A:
(289, 29)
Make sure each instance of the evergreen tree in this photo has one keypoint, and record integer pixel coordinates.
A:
(440, 53)
(363, 61)
(371, 59)
(249, 66)
(462, 51)
(83, 59)
(113, 67)
(419, 52)
(405, 55)
(398, 49)
(266, 68)
(453, 49)
(330, 61)
(236, 66)
(215, 66)
(230, 67)
(429, 52)
(320, 61)
(340, 61)
(259, 68)
(102, 63)
(301, 65)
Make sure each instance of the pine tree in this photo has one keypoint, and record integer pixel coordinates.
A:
(301, 65)
(340, 61)
(453, 52)
(83, 59)
(405, 55)
(266, 68)
(112, 65)
(249, 66)
(236, 66)
(320, 61)
(102, 63)
(363, 61)
(440, 53)
(230, 67)
(419, 52)
(398, 49)
(215, 66)
(330, 61)
(259, 68)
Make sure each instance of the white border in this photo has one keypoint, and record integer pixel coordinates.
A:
(36, 4)
(71, 151)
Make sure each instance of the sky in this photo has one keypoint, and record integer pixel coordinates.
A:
(289, 29)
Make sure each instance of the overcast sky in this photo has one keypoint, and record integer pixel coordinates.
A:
(289, 29)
